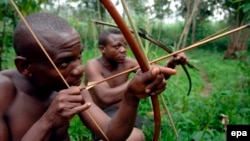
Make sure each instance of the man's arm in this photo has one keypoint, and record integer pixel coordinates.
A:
(7, 94)
(4, 135)
(121, 125)
(6, 97)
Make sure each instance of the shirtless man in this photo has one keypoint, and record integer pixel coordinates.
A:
(35, 103)
(108, 95)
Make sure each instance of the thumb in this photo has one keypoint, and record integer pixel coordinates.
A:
(155, 71)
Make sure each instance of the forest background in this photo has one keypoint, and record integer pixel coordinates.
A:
(221, 85)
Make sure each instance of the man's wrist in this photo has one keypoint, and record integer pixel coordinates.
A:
(131, 99)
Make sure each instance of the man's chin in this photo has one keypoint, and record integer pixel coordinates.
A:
(77, 83)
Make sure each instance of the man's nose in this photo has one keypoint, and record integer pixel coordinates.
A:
(123, 49)
(78, 70)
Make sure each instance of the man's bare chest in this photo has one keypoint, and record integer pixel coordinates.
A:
(116, 80)
(23, 113)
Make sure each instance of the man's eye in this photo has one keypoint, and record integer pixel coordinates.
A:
(116, 46)
(120, 45)
(63, 65)
(125, 45)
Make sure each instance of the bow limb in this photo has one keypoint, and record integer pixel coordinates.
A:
(139, 55)
(188, 77)
(53, 64)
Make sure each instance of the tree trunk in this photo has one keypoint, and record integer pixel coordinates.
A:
(238, 40)
(188, 20)
(193, 39)
(238, 43)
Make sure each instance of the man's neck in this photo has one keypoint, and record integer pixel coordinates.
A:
(30, 88)
(108, 64)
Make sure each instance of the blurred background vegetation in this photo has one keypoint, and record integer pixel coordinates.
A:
(222, 84)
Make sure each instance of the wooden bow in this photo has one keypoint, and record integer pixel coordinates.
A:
(140, 57)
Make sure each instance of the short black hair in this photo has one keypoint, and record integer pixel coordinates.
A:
(105, 33)
(39, 23)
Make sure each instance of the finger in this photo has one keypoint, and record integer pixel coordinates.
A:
(158, 90)
(75, 98)
(180, 58)
(70, 105)
(69, 97)
(70, 101)
(81, 108)
(73, 90)
(70, 112)
(147, 76)
(155, 71)
(166, 71)
(158, 83)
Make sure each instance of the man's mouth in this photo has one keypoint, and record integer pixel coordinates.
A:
(122, 57)
(76, 82)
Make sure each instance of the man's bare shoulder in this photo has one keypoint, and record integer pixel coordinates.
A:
(93, 64)
(131, 62)
(6, 78)
(7, 87)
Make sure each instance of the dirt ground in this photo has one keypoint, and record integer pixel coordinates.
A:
(207, 84)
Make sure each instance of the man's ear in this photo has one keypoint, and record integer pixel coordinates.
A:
(23, 66)
(101, 48)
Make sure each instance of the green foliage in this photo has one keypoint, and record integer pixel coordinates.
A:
(239, 9)
(246, 9)
(7, 22)
(78, 132)
(244, 65)
(208, 29)
(168, 34)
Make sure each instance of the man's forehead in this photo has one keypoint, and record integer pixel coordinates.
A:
(54, 36)
(53, 40)
(115, 37)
